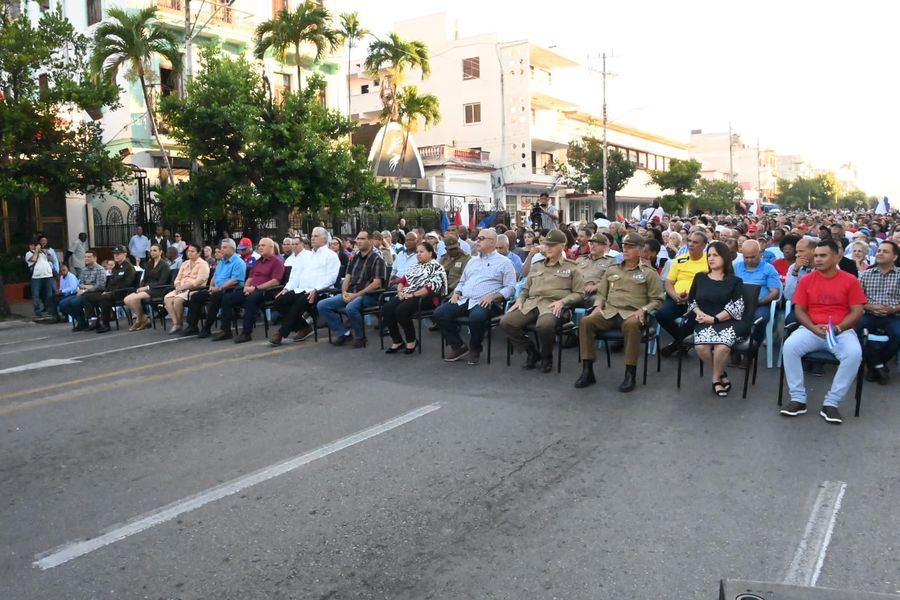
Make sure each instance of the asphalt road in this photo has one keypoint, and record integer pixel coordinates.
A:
(507, 484)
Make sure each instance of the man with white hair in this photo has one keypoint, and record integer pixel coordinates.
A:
(435, 239)
(315, 270)
(503, 249)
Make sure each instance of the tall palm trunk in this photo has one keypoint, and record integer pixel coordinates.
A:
(299, 70)
(156, 131)
(399, 175)
(349, 112)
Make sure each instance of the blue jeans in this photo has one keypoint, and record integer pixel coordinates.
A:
(804, 341)
(329, 306)
(446, 314)
(879, 353)
(251, 304)
(73, 306)
(42, 290)
(667, 317)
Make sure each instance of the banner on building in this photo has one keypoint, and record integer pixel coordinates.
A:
(387, 156)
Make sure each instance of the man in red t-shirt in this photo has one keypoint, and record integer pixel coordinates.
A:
(827, 297)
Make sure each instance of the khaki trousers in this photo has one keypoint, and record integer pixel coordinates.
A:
(514, 323)
(595, 322)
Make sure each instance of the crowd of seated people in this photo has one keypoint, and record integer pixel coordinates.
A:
(830, 275)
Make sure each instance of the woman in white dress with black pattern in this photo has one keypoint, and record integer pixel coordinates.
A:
(717, 301)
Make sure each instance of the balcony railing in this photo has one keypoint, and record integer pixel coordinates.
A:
(453, 154)
(216, 12)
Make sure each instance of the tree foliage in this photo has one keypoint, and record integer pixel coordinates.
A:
(395, 57)
(261, 157)
(584, 170)
(819, 191)
(681, 178)
(46, 145)
(717, 196)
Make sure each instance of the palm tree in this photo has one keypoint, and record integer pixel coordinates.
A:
(133, 41)
(396, 57)
(413, 108)
(351, 31)
(308, 24)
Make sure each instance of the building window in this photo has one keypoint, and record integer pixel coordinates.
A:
(94, 12)
(473, 113)
(282, 86)
(471, 68)
(364, 89)
(168, 81)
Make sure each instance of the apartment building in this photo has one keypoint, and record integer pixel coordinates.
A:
(500, 103)
(725, 155)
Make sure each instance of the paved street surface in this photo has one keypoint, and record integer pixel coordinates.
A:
(493, 482)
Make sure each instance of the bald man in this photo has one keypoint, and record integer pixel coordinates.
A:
(755, 271)
(265, 274)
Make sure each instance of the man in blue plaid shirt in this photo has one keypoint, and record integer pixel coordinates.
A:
(882, 286)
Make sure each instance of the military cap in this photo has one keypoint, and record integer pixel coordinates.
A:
(600, 239)
(451, 242)
(555, 236)
(120, 250)
(634, 239)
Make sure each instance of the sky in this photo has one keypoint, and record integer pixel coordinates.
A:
(819, 79)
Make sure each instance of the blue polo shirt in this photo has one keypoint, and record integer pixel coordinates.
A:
(764, 275)
(231, 268)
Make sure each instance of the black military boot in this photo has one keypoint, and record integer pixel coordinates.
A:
(587, 374)
(629, 382)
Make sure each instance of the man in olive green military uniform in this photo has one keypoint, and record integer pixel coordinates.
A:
(454, 261)
(624, 296)
(553, 285)
(595, 264)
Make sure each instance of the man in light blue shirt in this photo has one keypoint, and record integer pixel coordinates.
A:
(405, 259)
(754, 270)
(229, 277)
(68, 283)
(487, 281)
(138, 246)
(503, 249)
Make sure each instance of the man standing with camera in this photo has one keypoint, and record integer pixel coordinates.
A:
(44, 268)
(548, 213)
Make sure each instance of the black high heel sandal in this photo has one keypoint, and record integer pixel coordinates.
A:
(394, 350)
(408, 350)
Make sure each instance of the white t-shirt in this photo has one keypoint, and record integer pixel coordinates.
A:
(42, 268)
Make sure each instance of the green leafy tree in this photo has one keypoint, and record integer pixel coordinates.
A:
(584, 170)
(132, 41)
(718, 196)
(259, 157)
(390, 61)
(308, 24)
(351, 32)
(854, 199)
(681, 178)
(819, 191)
(46, 148)
(413, 108)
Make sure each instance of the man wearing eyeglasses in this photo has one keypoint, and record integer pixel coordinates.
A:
(553, 285)
(487, 280)
(678, 284)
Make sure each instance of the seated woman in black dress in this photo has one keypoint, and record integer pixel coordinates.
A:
(425, 279)
(717, 301)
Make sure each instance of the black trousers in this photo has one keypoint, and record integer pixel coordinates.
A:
(103, 301)
(292, 306)
(399, 313)
(198, 299)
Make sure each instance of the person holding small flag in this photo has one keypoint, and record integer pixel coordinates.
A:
(828, 304)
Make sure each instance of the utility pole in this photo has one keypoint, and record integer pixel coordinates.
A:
(610, 208)
(188, 43)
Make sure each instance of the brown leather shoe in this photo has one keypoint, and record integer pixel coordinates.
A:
(244, 337)
(305, 332)
(455, 355)
(275, 339)
(142, 325)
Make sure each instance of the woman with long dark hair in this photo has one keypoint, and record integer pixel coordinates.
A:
(716, 300)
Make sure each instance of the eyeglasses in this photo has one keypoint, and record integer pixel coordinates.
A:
(481, 238)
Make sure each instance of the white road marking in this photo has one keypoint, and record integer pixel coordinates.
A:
(67, 552)
(810, 556)
(41, 364)
(127, 348)
(81, 340)
(20, 342)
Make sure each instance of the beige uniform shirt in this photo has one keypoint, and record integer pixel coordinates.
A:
(454, 268)
(593, 269)
(546, 284)
(622, 291)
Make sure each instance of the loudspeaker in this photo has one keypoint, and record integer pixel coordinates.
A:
(736, 589)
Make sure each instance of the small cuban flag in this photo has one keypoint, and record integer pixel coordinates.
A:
(829, 337)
